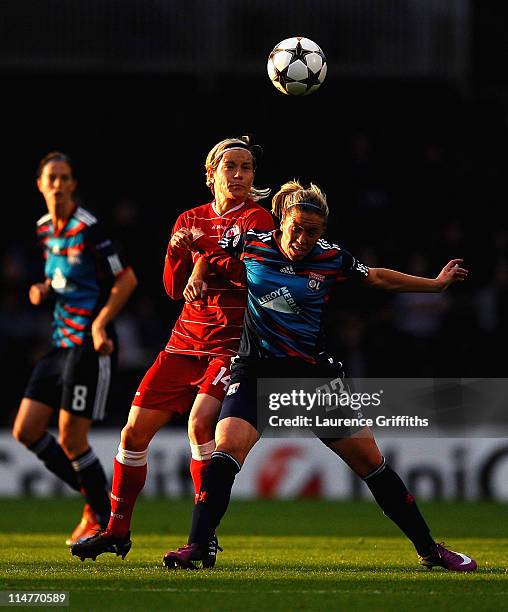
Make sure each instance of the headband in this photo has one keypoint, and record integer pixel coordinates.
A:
(235, 146)
(255, 150)
(305, 205)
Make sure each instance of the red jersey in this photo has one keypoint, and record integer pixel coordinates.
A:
(212, 325)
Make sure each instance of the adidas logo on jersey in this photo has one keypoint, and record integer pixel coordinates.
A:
(288, 269)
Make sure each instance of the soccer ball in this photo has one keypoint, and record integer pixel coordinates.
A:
(297, 66)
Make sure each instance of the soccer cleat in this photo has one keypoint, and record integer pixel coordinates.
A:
(210, 555)
(449, 559)
(191, 556)
(88, 526)
(102, 542)
(186, 557)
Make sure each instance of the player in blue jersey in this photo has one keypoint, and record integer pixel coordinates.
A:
(289, 275)
(90, 282)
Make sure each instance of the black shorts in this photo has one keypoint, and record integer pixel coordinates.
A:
(75, 379)
(241, 397)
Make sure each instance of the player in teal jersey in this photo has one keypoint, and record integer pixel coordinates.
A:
(90, 282)
(289, 273)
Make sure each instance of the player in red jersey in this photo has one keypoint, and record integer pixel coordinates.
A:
(192, 372)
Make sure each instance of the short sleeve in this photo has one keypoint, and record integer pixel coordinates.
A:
(107, 252)
(350, 267)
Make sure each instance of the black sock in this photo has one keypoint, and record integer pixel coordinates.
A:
(93, 485)
(52, 455)
(399, 505)
(213, 497)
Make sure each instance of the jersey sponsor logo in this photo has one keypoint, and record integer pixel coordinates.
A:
(280, 300)
(229, 230)
(288, 270)
(59, 281)
(315, 281)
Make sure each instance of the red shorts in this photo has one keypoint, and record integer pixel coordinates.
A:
(174, 380)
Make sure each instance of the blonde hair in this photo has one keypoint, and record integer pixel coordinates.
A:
(294, 194)
(215, 155)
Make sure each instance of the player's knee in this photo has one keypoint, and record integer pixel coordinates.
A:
(25, 435)
(73, 443)
(366, 463)
(200, 430)
(133, 438)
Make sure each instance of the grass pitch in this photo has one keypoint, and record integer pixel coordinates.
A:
(278, 555)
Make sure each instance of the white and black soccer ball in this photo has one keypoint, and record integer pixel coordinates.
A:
(297, 66)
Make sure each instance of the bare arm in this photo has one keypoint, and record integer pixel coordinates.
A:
(196, 285)
(391, 280)
(118, 296)
(178, 264)
(219, 260)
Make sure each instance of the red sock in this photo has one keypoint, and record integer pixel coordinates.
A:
(127, 484)
(197, 470)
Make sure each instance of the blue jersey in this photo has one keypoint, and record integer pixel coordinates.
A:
(82, 264)
(286, 299)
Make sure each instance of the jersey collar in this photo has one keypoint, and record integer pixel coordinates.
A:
(227, 211)
(59, 232)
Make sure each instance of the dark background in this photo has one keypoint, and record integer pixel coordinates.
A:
(407, 136)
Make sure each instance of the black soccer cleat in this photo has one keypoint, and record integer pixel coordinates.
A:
(102, 542)
(210, 555)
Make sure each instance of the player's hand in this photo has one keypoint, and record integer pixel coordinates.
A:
(196, 233)
(195, 290)
(451, 273)
(101, 343)
(38, 293)
(182, 239)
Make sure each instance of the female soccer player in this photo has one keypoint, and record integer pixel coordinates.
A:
(289, 274)
(193, 370)
(90, 282)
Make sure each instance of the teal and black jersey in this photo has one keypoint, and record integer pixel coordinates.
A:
(82, 264)
(286, 299)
